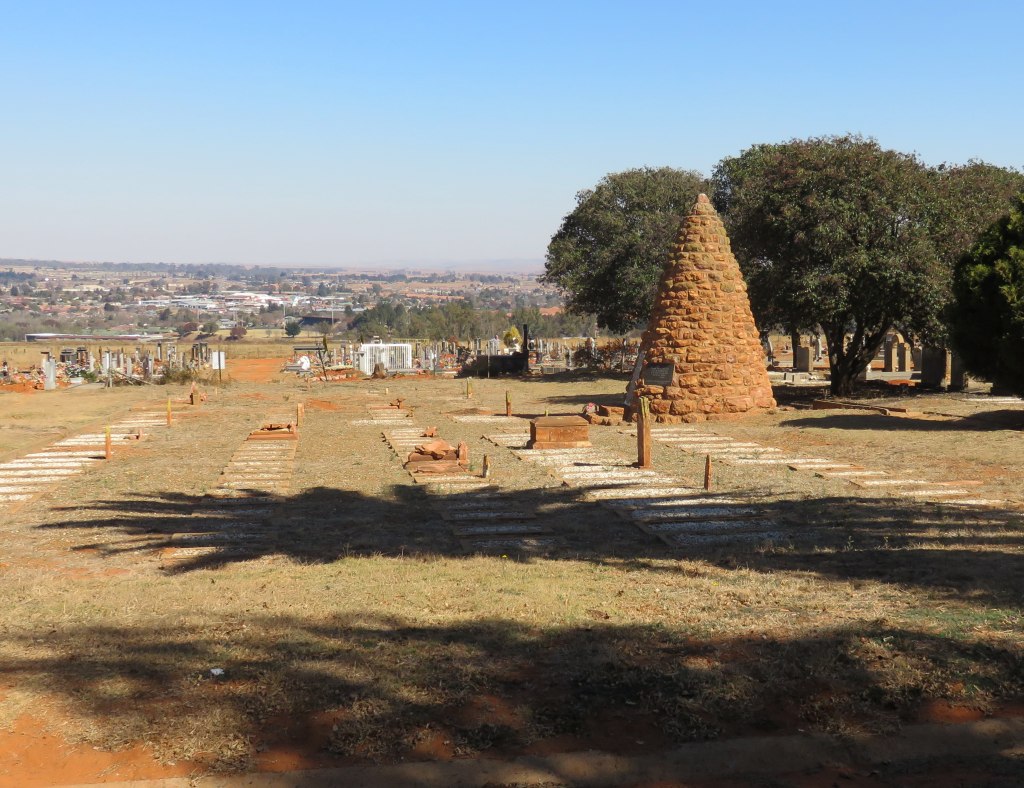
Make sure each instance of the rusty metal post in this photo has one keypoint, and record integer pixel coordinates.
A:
(168, 411)
(486, 467)
(707, 472)
(508, 403)
(107, 449)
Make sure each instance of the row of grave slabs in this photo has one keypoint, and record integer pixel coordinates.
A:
(657, 503)
(28, 477)
(481, 515)
(237, 516)
(744, 453)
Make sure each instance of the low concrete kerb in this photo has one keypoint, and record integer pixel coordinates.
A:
(700, 760)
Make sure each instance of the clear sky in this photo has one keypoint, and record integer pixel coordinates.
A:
(428, 133)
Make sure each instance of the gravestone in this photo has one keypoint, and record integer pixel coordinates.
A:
(559, 432)
(904, 357)
(702, 331)
(803, 359)
(889, 355)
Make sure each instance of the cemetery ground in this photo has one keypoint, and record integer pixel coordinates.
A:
(151, 628)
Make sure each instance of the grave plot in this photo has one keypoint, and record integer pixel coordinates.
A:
(480, 513)
(380, 413)
(23, 479)
(729, 450)
(990, 400)
(481, 418)
(657, 503)
(236, 516)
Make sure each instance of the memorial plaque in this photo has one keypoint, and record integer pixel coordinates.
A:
(658, 374)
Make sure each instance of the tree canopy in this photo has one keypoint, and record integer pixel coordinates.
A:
(609, 252)
(987, 315)
(841, 233)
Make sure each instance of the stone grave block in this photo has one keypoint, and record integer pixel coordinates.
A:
(889, 356)
(803, 359)
(559, 432)
(904, 357)
(957, 373)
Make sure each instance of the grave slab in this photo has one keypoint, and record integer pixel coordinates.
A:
(498, 529)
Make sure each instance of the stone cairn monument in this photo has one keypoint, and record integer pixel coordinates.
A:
(702, 354)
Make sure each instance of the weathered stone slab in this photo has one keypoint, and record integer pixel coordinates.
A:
(226, 494)
(635, 492)
(711, 540)
(484, 514)
(849, 474)
(939, 492)
(533, 454)
(480, 419)
(15, 497)
(702, 513)
(503, 437)
(695, 440)
(233, 498)
(459, 492)
(888, 482)
(558, 462)
(218, 538)
(996, 502)
(39, 473)
(559, 432)
(507, 544)
(23, 488)
(694, 498)
(61, 454)
(696, 526)
(213, 513)
(498, 529)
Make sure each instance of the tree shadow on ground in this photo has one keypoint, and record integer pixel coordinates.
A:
(954, 549)
(372, 688)
(991, 420)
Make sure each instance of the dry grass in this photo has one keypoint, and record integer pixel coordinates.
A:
(358, 607)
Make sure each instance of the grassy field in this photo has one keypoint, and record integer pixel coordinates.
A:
(355, 627)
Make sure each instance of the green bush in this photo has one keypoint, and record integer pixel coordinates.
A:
(987, 316)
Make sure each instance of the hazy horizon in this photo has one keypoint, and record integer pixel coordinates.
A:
(437, 266)
(450, 135)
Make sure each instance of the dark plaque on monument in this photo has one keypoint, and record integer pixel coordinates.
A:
(658, 374)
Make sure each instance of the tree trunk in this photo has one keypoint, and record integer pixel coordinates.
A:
(848, 360)
(794, 338)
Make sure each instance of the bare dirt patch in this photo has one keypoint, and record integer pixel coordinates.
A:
(255, 370)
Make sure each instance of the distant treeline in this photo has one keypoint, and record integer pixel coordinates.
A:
(461, 321)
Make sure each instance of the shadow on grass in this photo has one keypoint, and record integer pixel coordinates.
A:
(990, 420)
(953, 549)
(372, 688)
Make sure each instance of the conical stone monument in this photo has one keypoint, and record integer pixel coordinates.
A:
(702, 352)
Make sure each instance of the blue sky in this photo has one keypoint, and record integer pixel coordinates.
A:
(426, 134)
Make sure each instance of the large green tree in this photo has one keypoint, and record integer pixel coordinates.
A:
(987, 314)
(841, 233)
(609, 252)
